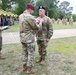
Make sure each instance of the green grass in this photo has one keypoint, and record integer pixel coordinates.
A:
(16, 27)
(61, 26)
(66, 46)
(67, 49)
(58, 50)
(13, 28)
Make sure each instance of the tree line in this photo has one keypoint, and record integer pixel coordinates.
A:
(55, 10)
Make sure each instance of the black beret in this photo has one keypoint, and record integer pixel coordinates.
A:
(41, 7)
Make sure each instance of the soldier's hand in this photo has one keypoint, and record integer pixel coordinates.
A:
(37, 21)
(1, 28)
(41, 20)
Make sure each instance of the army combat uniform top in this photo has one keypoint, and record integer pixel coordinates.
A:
(27, 27)
(45, 33)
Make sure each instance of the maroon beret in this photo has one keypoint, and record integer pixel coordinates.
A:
(30, 6)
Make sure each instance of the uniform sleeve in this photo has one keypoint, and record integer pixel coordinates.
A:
(32, 24)
(49, 28)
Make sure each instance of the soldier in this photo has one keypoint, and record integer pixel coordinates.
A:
(58, 20)
(43, 35)
(63, 20)
(66, 21)
(1, 57)
(53, 20)
(27, 29)
(71, 21)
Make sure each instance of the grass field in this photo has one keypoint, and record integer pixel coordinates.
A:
(16, 27)
(61, 59)
(61, 26)
(13, 28)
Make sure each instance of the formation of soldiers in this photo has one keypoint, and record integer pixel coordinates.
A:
(64, 21)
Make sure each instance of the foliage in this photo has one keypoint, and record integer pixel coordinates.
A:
(74, 17)
(18, 6)
(4, 4)
(64, 8)
(7, 5)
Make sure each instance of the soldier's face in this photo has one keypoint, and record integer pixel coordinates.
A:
(31, 11)
(41, 12)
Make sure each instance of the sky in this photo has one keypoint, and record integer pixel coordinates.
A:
(72, 4)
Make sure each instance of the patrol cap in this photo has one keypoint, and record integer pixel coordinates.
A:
(31, 6)
(41, 7)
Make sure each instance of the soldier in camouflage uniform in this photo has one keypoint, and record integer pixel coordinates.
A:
(71, 21)
(58, 20)
(43, 35)
(28, 28)
(1, 57)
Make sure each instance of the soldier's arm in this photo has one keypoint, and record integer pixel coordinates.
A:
(33, 24)
(50, 29)
(1, 29)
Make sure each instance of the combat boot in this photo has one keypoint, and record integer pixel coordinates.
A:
(24, 67)
(38, 61)
(30, 70)
(42, 62)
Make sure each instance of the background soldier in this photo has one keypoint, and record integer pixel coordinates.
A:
(27, 30)
(43, 35)
(53, 20)
(66, 21)
(63, 20)
(58, 20)
(71, 21)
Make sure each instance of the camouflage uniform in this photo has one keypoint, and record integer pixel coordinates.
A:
(0, 41)
(27, 32)
(45, 33)
(58, 20)
(71, 21)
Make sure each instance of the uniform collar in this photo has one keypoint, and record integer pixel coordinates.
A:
(42, 16)
(25, 12)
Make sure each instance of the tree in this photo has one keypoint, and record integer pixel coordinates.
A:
(74, 17)
(4, 4)
(65, 9)
(21, 5)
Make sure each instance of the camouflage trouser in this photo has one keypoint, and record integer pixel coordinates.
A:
(0, 44)
(28, 53)
(42, 45)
